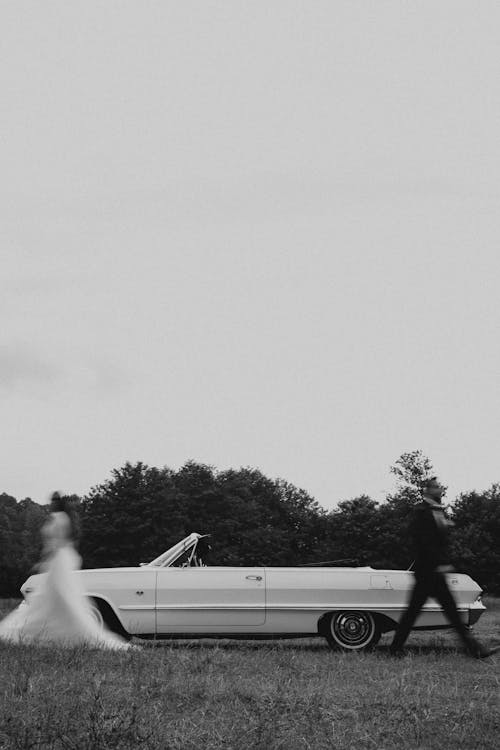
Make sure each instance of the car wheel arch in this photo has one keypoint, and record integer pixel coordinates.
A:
(109, 616)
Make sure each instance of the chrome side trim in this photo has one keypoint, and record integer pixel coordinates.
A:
(138, 608)
(284, 607)
(229, 607)
(331, 606)
(352, 605)
(291, 607)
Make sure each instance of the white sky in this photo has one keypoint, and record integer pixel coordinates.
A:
(249, 233)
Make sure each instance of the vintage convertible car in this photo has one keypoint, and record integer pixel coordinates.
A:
(177, 596)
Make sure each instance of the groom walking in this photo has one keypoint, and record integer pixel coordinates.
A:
(429, 533)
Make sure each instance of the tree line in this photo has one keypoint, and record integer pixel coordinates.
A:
(141, 511)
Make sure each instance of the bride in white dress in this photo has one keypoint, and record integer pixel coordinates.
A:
(58, 613)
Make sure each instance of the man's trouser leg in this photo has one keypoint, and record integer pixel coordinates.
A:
(417, 600)
(446, 599)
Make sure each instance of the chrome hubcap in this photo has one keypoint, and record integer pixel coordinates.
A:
(352, 629)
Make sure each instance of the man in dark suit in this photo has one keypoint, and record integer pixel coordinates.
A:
(429, 533)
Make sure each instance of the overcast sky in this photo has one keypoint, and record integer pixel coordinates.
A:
(250, 234)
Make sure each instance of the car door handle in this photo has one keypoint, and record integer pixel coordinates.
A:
(253, 578)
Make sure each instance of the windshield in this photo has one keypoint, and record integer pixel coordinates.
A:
(182, 554)
(187, 559)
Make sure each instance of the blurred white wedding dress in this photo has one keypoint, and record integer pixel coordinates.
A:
(58, 613)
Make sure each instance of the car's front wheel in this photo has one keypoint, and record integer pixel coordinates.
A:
(104, 617)
(351, 630)
(96, 614)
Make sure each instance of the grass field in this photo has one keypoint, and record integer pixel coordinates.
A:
(251, 694)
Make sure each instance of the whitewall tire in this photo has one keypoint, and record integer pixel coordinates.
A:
(352, 630)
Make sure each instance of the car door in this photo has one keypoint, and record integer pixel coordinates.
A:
(209, 599)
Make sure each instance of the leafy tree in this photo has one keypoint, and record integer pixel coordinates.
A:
(411, 470)
(122, 519)
(353, 531)
(141, 511)
(8, 551)
(476, 539)
(20, 542)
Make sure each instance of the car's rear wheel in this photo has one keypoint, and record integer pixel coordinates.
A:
(351, 630)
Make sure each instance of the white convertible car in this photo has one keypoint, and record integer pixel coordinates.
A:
(177, 596)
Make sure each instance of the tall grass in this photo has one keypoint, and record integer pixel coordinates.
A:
(249, 694)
